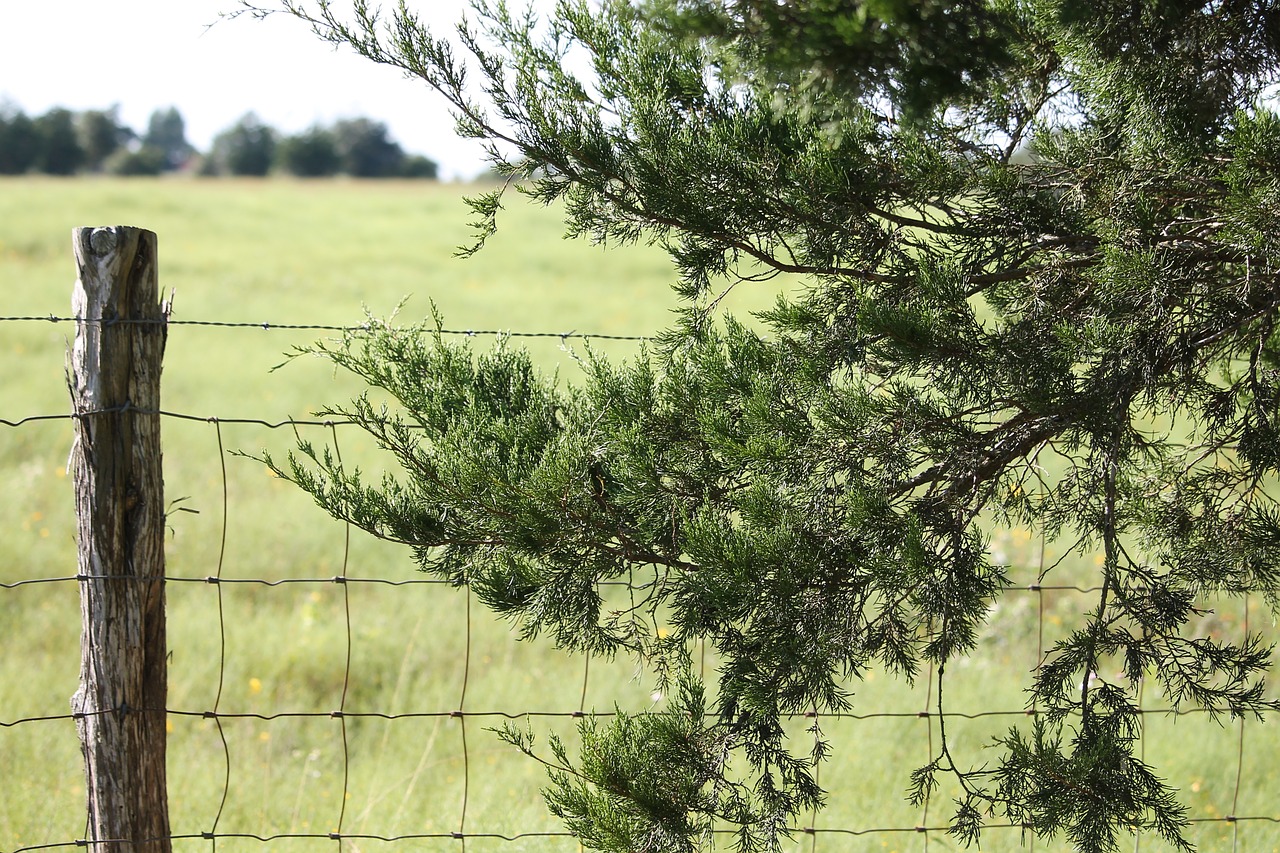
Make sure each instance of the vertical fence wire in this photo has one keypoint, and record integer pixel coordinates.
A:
(1142, 750)
(1235, 794)
(925, 715)
(462, 728)
(346, 668)
(222, 638)
(812, 828)
(1038, 590)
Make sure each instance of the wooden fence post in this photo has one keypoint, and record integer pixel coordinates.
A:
(114, 378)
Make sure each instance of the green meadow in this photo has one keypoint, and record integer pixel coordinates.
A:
(278, 646)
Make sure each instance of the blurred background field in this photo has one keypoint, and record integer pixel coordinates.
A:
(319, 253)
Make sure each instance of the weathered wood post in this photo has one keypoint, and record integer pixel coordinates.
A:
(114, 379)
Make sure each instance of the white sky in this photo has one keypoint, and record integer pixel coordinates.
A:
(148, 54)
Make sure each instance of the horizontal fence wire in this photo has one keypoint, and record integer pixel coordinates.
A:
(808, 831)
(574, 715)
(363, 327)
(343, 579)
(116, 410)
(460, 711)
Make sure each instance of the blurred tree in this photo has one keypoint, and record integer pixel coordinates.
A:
(418, 166)
(60, 151)
(101, 134)
(144, 161)
(167, 133)
(365, 149)
(19, 141)
(310, 154)
(246, 148)
(1084, 343)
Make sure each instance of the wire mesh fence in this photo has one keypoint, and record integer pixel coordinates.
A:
(324, 694)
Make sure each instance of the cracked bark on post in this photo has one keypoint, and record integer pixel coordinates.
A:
(114, 379)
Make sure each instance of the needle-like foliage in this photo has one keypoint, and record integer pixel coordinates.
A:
(1032, 246)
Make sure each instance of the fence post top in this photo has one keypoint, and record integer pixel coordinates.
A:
(104, 233)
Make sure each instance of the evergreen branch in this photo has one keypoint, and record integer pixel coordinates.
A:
(810, 493)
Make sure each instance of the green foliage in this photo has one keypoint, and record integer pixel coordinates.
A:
(420, 167)
(310, 154)
(19, 142)
(60, 151)
(101, 135)
(922, 54)
(357, 147)
(246, 148)
(646, 781)
(61, 142)
(166, 132)
(365, 149)
(146, 161)
(1083, 344)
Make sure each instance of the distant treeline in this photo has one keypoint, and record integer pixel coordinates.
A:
(63, 142)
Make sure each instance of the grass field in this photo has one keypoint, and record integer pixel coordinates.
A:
(286, 252)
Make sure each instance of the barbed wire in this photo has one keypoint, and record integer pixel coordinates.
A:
(116, 410)
(107, 322)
